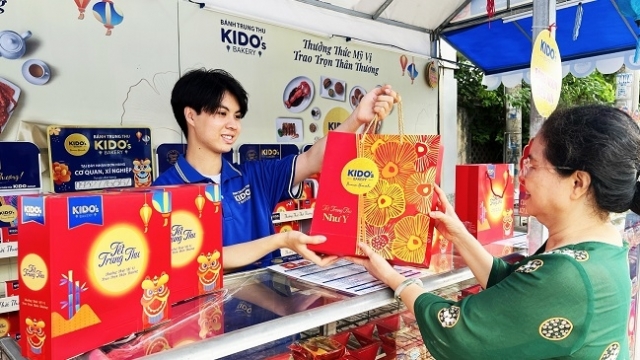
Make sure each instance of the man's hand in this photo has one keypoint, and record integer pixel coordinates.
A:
(298, 241)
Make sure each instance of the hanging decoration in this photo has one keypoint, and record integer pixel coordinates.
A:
(411, 69)
(403, 63)
(82, 6)
(578, 23)
(108, 14)
(491, 10)
(631, 8)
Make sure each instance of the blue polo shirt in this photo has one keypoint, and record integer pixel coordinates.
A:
(249, 193)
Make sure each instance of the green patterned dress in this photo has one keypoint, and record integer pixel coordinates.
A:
(569, 303)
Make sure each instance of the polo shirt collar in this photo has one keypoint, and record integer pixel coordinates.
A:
(189, 174)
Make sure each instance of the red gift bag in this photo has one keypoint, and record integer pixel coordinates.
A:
(378, 189)
(484, 200)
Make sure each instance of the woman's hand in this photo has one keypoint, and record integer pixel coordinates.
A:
(377, 266)
(445, 218)
(298, 241)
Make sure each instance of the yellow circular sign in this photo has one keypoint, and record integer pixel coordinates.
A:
(8, 213)
(118, 260)
(186, 238)
(546, 73)
(359, 176)
(76, 144)
(34, 272)
(334, 118)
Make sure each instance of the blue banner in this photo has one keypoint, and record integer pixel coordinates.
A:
(86, 158)
(33, 209)
(84, 210)
(254, 152)
(167, 155)
(19, 166)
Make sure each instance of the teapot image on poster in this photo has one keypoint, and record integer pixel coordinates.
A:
(13, 45)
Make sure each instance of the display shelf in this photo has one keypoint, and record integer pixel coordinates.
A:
(8, 250)
(294, 215)
(9, 304)
(236, 341)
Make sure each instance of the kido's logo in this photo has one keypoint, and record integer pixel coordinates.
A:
(8, 214)
(359, 176)
(76, 144)
(84, 210)
(32, 210)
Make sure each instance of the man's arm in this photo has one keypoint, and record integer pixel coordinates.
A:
(236, 256)
(378, 101)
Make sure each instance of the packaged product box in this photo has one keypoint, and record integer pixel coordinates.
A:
(378, 189)
(484, 200)
(11, 287)
(10, 325)
(194, 213)
(8, 218)
(93, 266)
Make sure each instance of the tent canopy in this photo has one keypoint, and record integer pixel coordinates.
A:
(502, 47)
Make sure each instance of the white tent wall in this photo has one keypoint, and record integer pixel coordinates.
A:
(126, 78)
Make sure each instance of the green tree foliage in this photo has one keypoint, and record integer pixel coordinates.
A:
(487, 108)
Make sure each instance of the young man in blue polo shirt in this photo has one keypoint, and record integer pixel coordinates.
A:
(209, 106)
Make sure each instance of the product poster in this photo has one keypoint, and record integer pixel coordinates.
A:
(19, 166)
(253, 152)
(88, 158)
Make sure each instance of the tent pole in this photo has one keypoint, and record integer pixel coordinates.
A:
(544, 14)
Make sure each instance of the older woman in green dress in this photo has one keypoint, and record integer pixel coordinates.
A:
(569, 300)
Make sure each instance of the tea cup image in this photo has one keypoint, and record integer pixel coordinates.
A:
(36, 72)
(12, 44)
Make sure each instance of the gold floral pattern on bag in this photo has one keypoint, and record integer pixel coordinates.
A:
(427, 148)
(556, 328)
(371, 143)
(380, 240)
(419, 190)
(410, 244)
(395, 162)
(386, 201)
(611, 352)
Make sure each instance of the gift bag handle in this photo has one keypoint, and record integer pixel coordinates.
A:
(504, 189)
(376, 120)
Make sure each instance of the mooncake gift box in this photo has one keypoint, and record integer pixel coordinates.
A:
(93, 266)
(196, 238)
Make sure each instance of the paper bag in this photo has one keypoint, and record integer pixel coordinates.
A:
(484, 200)
(378, 189)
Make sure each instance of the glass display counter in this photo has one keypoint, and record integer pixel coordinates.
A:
(262, 312)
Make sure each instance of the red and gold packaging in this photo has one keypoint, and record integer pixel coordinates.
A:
(196, 240)
(484, 200)
(284, 206)
(95, 267)
(8, 218)
(378, 189)
(11, 287)
(10, 325)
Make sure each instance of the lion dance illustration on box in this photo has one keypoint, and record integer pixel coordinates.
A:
(155, 299)
(208, 271)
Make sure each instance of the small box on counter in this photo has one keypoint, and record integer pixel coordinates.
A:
(10, 325)
(8, 218)
(11, 287)
(95, 267)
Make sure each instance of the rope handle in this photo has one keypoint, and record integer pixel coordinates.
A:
(376, 120)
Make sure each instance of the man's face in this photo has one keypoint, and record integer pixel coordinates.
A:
(217, 132)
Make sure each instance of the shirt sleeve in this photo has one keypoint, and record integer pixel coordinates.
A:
(542, 310)
(275, 178)
(499, 271)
